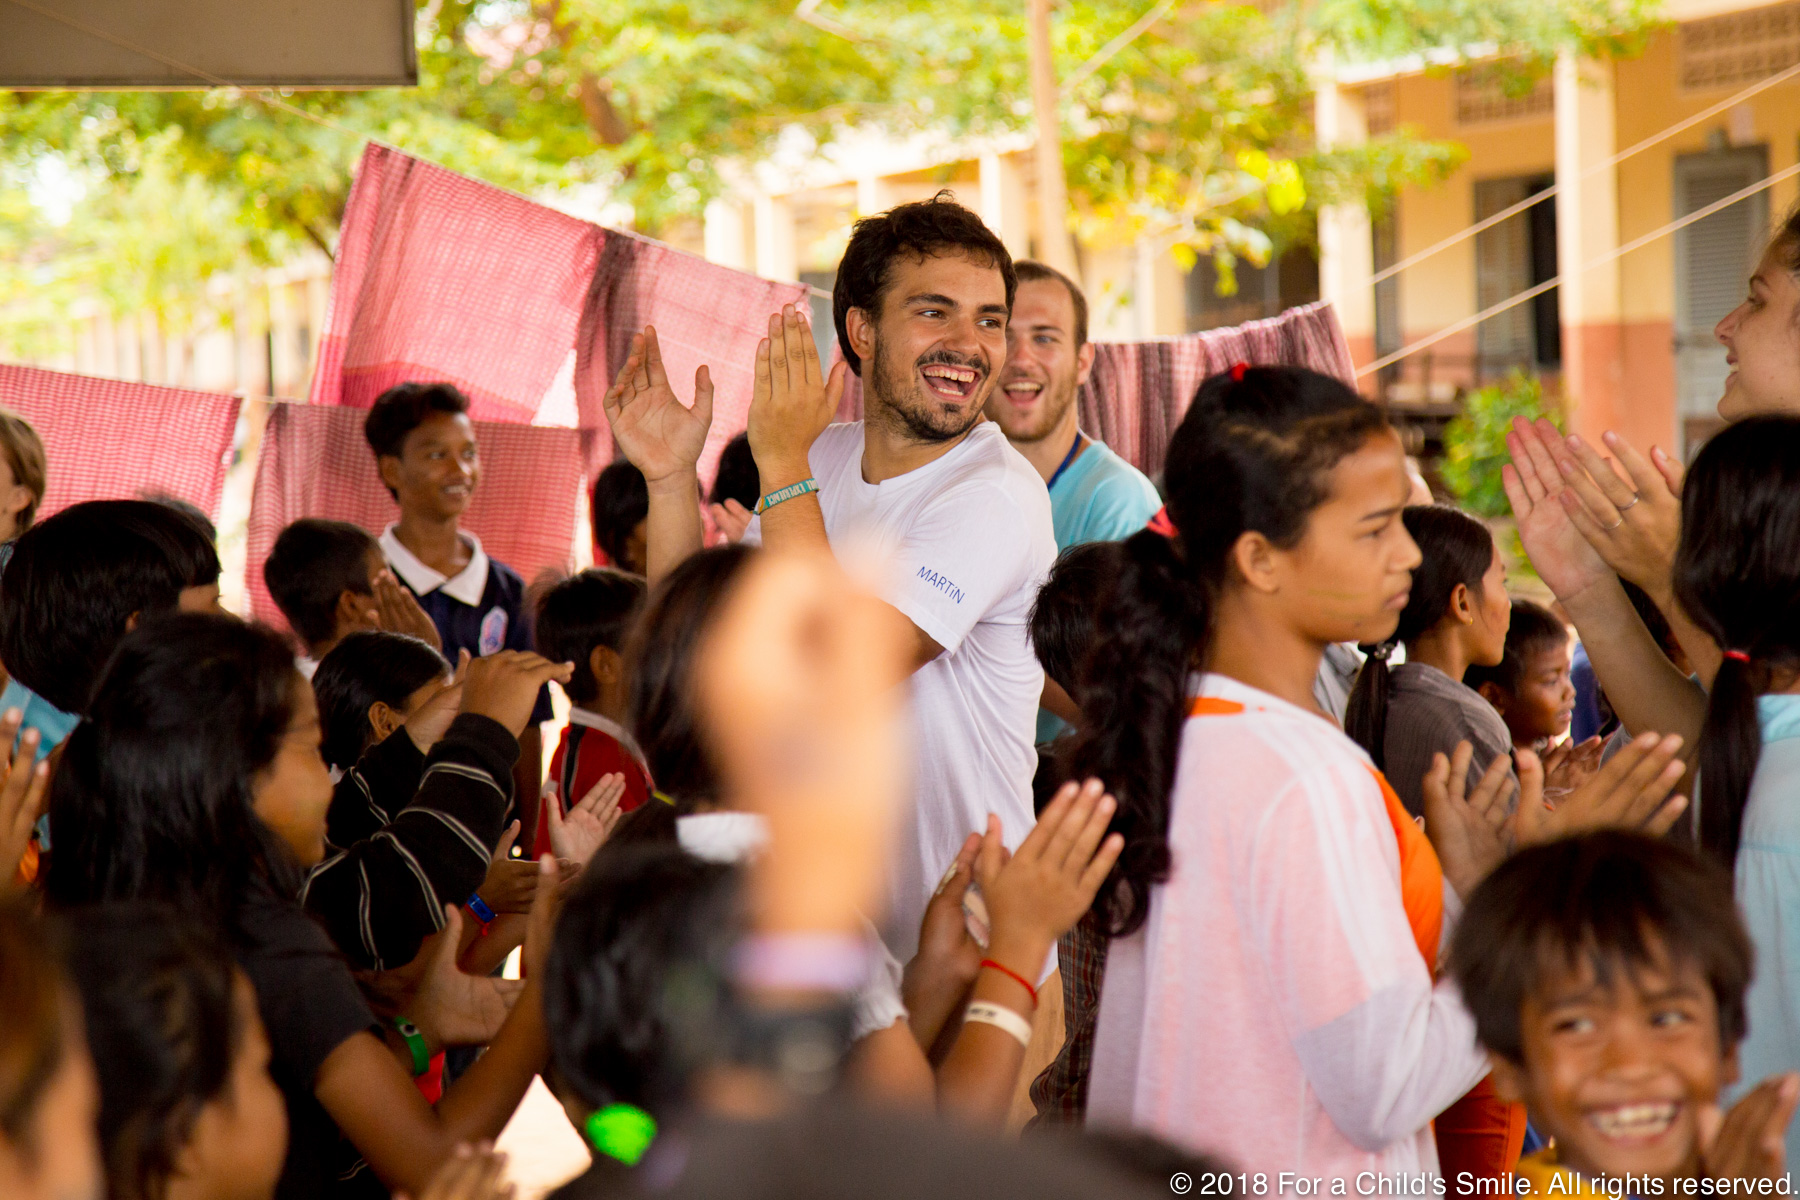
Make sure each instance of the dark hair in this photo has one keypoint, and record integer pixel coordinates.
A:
(1455, 551)
(1737, 574)
(920, 230)
(1062, 616)
(738, 478)
(621, 501)
(153, 799)
(32, 1039)
(156, 989)
(77, 578)
(1611, 898)
(312, 564)
(1251, 454)
(402, 409)
(1533, 628)
(368, 666)
(194, 514)
(660, 665)
(1652, 616)
(637, 983)
(1787, 236)
(1029, 270)
(589, 609)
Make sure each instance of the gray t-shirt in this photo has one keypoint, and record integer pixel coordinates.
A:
(1429, 713)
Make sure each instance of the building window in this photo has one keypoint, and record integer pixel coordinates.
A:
(1485, 96)
(1740, 47)
(1517, 254)
(1288, 281)
(1378, 108)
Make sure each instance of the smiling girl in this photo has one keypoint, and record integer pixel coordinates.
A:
(1276, 912)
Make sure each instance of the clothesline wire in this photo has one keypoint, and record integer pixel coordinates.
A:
(1514, 210)
(1615, 253)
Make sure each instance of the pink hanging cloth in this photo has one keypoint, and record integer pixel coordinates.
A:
(108, 439)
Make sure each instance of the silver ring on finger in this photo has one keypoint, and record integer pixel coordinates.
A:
(1630, 504)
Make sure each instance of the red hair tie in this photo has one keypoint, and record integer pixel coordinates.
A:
(1737, 656)
(1237, 371)
(1160, 523)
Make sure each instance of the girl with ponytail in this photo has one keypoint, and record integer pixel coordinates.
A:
(1455, 618)
(1737, 576)
(1275, 912)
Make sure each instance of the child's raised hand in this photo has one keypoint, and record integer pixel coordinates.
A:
(576, 836)
(510, 885)
(1468, 831)
(398, 611)
(450, 1007)
(1569, 766)
(427, 726)
(1049, 882)
(1750, 1141)
(1630, 792)
(504, 686)
(731, 519)
(22, 792)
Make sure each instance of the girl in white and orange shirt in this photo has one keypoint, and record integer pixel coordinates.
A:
(1276, 915)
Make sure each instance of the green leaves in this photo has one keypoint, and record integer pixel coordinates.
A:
(1197, 134)
(1475, 442)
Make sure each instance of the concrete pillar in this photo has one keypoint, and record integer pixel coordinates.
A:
(1346, 245)
(874, 195)
(728, 239)
(1587, 226)
(777, 256)
(1005, 203)
(1158, 291)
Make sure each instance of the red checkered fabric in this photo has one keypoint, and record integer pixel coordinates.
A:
(1139, 390)
(108, 439)
(315, 463)
(528, 310)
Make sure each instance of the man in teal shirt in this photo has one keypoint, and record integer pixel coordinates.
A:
(1095, 496)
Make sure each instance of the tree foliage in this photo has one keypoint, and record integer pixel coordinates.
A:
(1198, 132)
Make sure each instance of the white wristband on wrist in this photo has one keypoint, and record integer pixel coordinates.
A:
(1005, 1019)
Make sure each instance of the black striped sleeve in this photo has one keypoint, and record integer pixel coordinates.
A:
(382, 895)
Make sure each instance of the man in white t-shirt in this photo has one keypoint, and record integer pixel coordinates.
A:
(921, 306)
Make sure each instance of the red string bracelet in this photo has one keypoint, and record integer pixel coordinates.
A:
(1015, 976)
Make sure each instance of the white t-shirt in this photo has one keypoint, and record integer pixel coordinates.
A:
(967, 541)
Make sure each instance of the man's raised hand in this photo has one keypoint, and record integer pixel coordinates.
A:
(793, 400)
(661, 436)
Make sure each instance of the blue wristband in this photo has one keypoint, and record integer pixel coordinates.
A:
(787, 493)
(479, 907)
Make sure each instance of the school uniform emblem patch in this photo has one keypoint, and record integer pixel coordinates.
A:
(493, 632)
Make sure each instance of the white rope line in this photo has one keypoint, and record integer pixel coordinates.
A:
(1101, 56)
(1606, 164)
(1617, 252)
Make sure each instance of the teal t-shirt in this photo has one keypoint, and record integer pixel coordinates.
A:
(1100, 498)
(1767, 882)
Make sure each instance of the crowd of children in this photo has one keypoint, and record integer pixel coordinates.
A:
(796, 907)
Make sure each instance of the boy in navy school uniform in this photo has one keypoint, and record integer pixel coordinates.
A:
(425, 449)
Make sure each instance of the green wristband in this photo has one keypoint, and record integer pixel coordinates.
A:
(787, 493)
(415, 1042)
